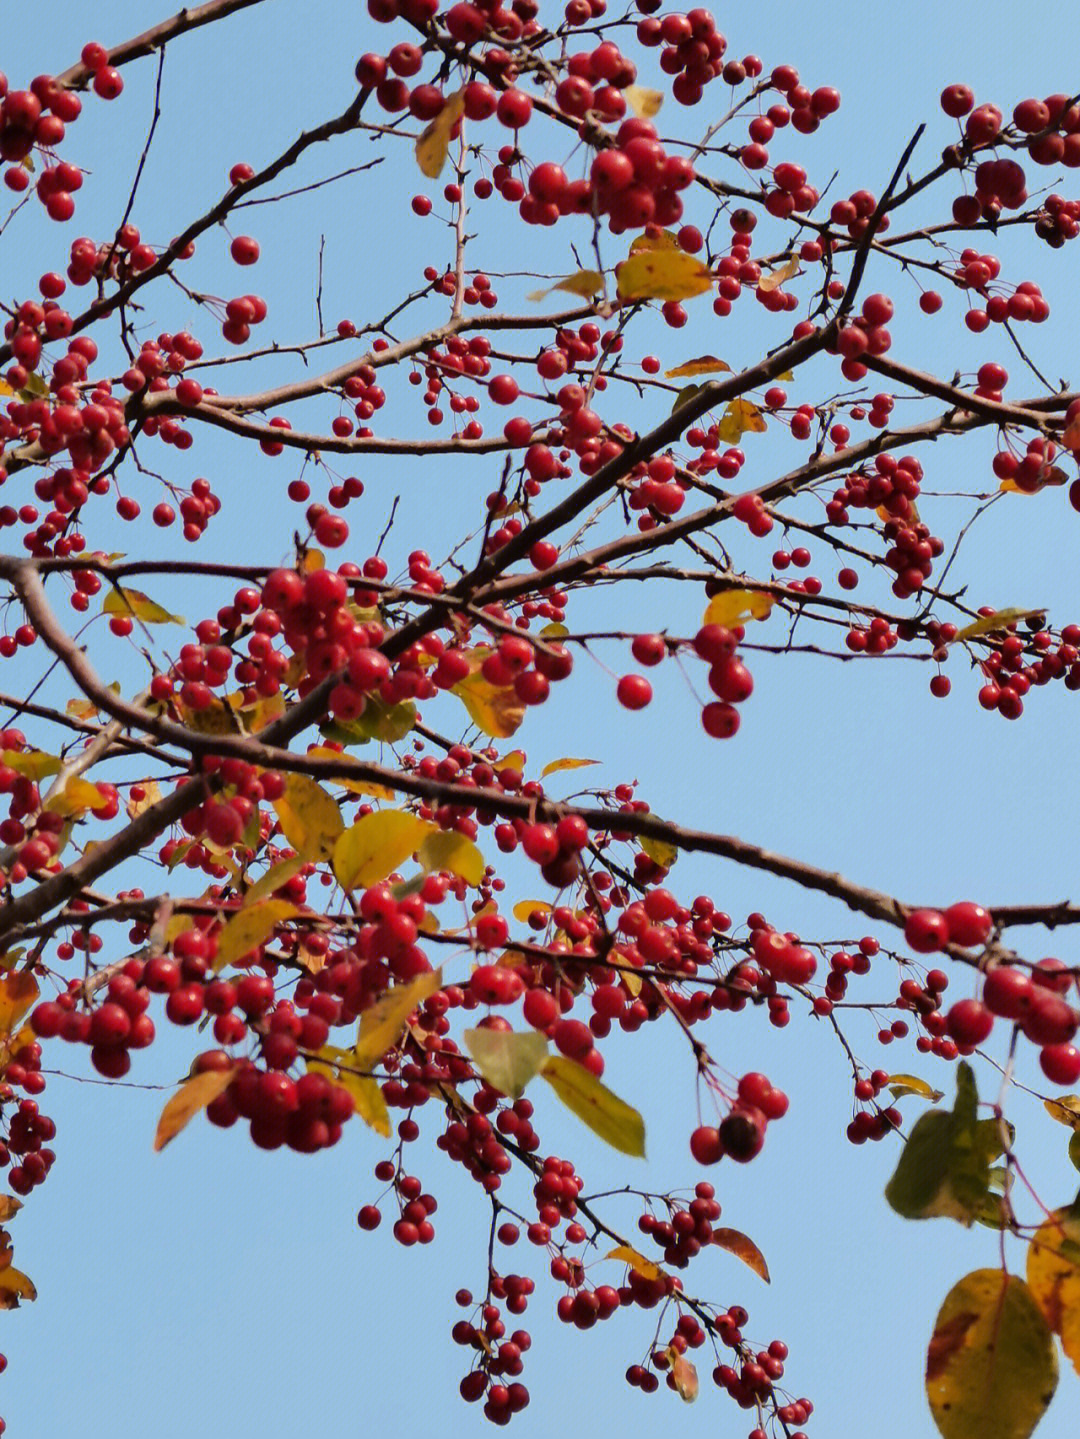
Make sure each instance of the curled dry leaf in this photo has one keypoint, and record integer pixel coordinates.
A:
(744, 1248)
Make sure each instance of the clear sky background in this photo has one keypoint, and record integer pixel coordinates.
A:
(215, 1289)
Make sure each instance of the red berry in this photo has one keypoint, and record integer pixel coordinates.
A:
(634, 692)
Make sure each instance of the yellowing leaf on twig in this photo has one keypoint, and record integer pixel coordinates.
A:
(383, 1023)
(901, 1084)
(1065, 1109)
(662, 275)
(585, 283)
(734, 607)
(434, 143)
(366, 1094)
(991, 624)
(495, 709)
(249, 928)
(741, 418)
(506, 1060)
(192, 1096)
(134, 603)
(703, 365)
(14, 1285)
(354, 786)
(644, 102)
(645, 1267)
(1053, 1274)
(660, 851)
(277, 875)
(657, 240)
(446, 849)
(310, 819)
(31, 763)
(556, 765)
(616, 1122)
(150, 796)
(375, 845)
(991, 1368)
(77, 796)
(775, 278)
(18, 990)
(744, 1248)
(516, 759)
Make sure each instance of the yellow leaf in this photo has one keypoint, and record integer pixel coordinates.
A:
(901, 1084)
(776, 278)
(77, 796)
(662, 275)
(310, 819)
(32, 763)
(492, 708)
(660, 240)
(741, 418)
(446, 849)
(684, 1374)
(556, 630)
(615, 1121)
(585, 283)
(249, 928)
(659, 851)
(375, 845)
(560, 764)
(703, 365)
(516, 759)
(80, 709)
(277, 875)
(151, 795)
(216, 718)
(18, 990)
(178, 924)
(645, 103)
(433, 144)
(1065, 1109)
(1053, 1272)
(134, 603)
(991, 624)
(734, 607)
(192, 1096)
(744, 1248)
(645, 1267)
(991, 1368)
(257, 716)
(9, 1206)
(525, 907)
(14, 1286)
(383, 1023)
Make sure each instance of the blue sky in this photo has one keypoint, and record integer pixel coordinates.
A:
(217, 1289)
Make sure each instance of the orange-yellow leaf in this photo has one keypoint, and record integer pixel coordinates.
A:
(495, 709)
(741, 418)
(703, 365)
(366, 1093)
(1050, 476)
(585, 283)
(434, 143)
(744, 1248)
(192, 1096)
(1053, 1274)
(77, 796)
(18, 990)
(516, 759)
(31, 763)
(684, 1375)
(14, 1285)
(556, 765)
(9, 1206)
(525, 907)
(735, 607)
(662, 275)
(151, 794)
(645, 1267)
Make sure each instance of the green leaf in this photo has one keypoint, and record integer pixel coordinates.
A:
(944, 1169)
(991, 1368)
(379, 721)
(659, 851)
(1074, 1148)
(375, 845)
(615, 1121)
(506, 1060)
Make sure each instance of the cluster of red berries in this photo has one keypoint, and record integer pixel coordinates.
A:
(741, 1133)
(28, 1130)
(691, 51)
